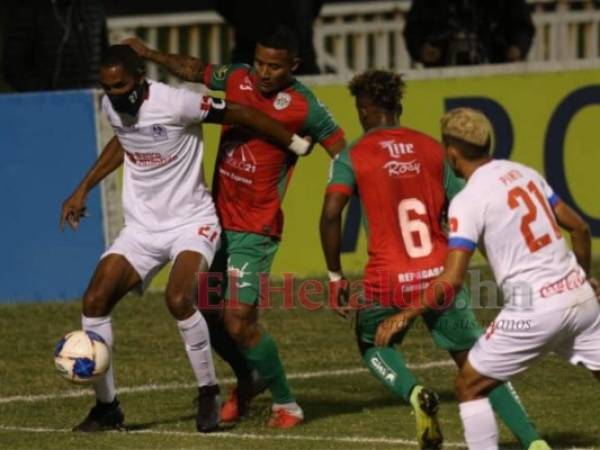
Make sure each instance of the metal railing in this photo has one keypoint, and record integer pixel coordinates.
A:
(356, 36)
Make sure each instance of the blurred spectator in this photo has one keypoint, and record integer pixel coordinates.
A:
(251, 19)
(54, 44)
(457, 32)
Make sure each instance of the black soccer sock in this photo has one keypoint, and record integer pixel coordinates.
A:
(224, 345)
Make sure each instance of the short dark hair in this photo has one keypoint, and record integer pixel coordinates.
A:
(282, 38)
(385, 89)
(469, 151)
(125, 56)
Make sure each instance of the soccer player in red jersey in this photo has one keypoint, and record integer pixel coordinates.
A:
(251, 177)
(404, 186)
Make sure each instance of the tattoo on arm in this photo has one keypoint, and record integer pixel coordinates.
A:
(185, 67)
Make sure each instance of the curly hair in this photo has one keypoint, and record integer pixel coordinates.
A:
(385, 89)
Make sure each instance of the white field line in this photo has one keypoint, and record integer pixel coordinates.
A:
(175, 386)
(247, 436)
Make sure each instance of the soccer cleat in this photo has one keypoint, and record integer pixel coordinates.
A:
(285, 417)
(539, 445)
(207, 418)
(426, 404)
(102, 417)
(238, 404)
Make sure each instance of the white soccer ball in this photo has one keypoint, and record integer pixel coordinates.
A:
(81, 356)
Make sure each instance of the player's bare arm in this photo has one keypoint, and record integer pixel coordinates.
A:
(439, 292)
(331, 241)
(581, 239)
(185, 67)
(110, 159)
(236, 114)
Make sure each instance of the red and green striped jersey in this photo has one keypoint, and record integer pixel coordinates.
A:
(404, 186)
(251, 174)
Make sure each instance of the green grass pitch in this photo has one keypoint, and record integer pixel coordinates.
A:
(345, 407)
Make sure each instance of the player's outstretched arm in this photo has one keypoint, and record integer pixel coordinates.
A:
(581, 237)
(236, 114)
(185, 67)
(110, 159)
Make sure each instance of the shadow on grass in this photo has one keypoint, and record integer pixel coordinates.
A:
(568, 439)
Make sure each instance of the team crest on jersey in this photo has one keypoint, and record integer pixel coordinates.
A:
(159, 132)
(220, 73)
(282, 101)
(400, 169)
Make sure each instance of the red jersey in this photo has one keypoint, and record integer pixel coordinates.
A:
(401, 179)
(252, 174)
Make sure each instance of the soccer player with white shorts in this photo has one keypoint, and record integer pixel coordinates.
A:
(169, 213)
(550, 301)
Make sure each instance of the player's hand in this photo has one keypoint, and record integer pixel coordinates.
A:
(596, 286)
(73, 209)
(137, 45)
(339, 297)
(394, 325)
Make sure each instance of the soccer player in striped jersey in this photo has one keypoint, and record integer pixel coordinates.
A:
(404, 186)
(251, 177)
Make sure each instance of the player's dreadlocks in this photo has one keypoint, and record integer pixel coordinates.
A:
(125, 56)
(383, 88)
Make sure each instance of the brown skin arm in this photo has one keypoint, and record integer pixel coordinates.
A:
(109, 160)
(187, 68)
(331, 229)
(449, 281)
(581, 237)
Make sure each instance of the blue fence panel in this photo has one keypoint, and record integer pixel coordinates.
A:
(47, 143)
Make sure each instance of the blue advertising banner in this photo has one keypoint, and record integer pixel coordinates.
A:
(47, 142)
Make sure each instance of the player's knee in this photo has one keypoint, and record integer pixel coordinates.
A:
(236, 328)
(180, 306)
(463, 391)
(95, 303)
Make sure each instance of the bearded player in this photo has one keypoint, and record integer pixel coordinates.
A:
(550, 303)
(251, 177)
(169, 214)
(404, 186)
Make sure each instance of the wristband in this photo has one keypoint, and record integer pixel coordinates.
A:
(299, 146)
(335, 276)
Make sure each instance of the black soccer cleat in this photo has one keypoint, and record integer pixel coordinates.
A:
(102, 417)
(207, 418)
(426, 405)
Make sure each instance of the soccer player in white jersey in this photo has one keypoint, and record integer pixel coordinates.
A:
(169, 214)
(550, 298)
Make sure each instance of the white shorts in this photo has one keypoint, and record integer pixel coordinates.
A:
(517, 339)
(148, 252)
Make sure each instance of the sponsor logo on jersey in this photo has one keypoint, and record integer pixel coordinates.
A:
(397, 149)
(159, 132)
(282, 101)
(387, 374)
(572, 281)
(246, 85)
(242, 158)
(149, 159)
(399, 169)
(219, 74)
(425, 274)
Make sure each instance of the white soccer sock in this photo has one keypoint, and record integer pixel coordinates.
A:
(481, 431)
(194, 333)
(105, 386)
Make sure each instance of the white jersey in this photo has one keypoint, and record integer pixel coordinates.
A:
(163, 179)
(509, 206)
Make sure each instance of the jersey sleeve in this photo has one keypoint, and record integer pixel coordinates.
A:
(549, 193)
(341, 175)
(215, 77)
(452, 184)
(465, 222)
(192, 107)
(321, 126)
